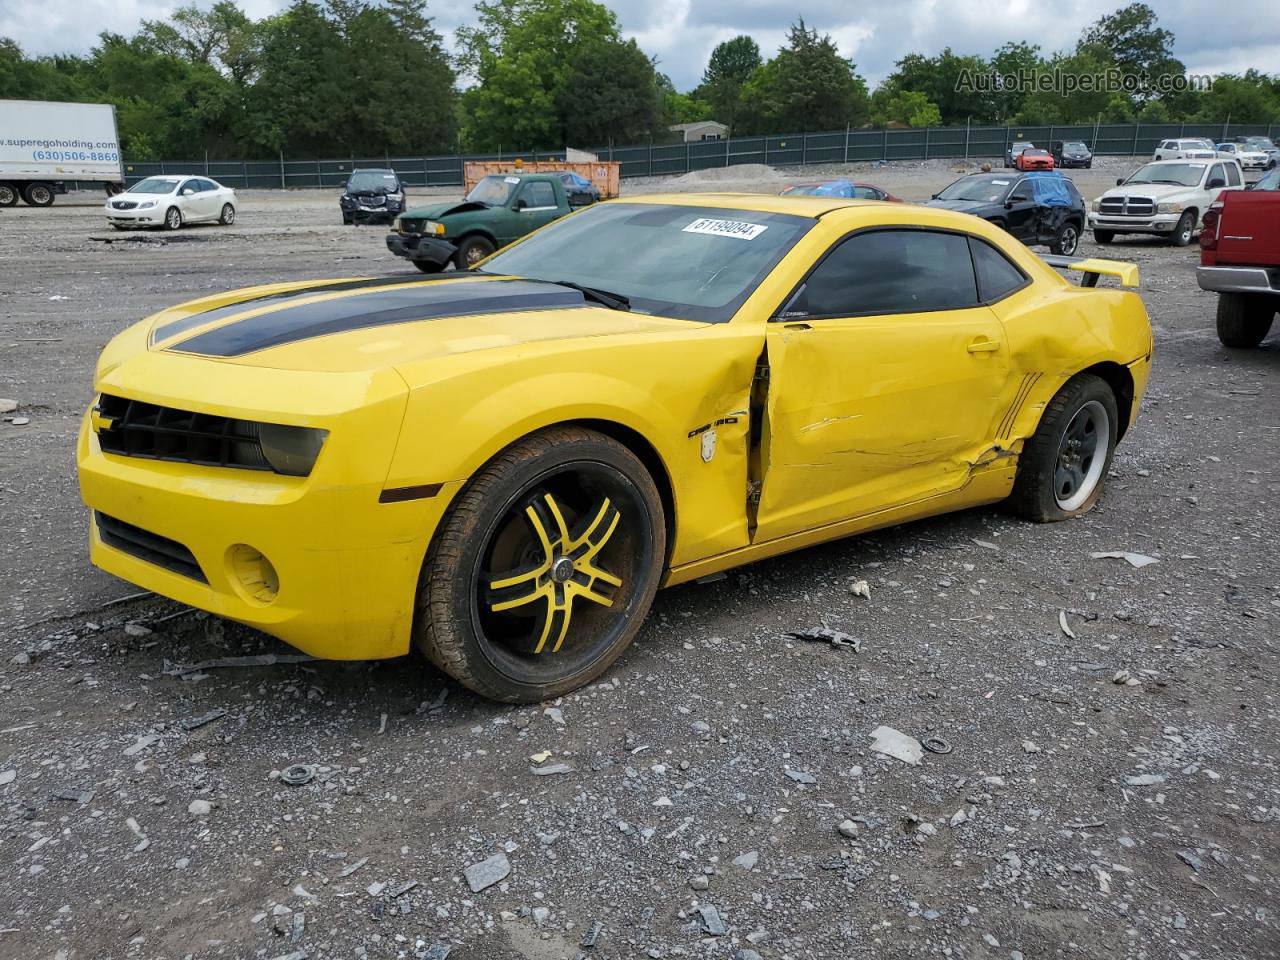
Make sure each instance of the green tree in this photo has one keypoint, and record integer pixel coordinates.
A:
(807, 85)
(1012, 61)
(939, 78)
(222, 37)
(1252, 98)
(611, 94)
(523, 52)
(730, 67)
(905, 106)
(1135, 42)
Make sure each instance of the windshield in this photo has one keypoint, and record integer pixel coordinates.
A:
(687, 263)
(493, 190)
(1260, 143)
(370, 180)
(1074, 147)
(1270, 182)
(978, 189)
(1019, 147)
(1183, 174)
(154, 185)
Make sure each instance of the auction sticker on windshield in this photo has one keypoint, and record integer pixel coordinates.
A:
(737, 229)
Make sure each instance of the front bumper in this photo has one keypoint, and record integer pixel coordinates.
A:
(151, 217)
(362, 213)
(347, 565)
(1239, 279)
(1161, 224)
(425, 249)
(1080, 162)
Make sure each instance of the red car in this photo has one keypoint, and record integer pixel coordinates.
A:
(1034, 158)
(839, 188)
(1240, 260)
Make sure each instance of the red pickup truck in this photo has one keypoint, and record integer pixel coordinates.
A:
(1240, 260)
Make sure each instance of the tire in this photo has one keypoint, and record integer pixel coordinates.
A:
(8, 194)
(1067, 240)
(1185, 230)
(427, 267)
(1063, 466)
(173, 219)
(471, 251)
(1244, 319)
(488, 554)
(1089, 165)
(38, 194)
(228, 216)
(346, 220)
(1104, 236)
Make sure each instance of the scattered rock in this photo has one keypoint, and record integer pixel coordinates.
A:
(486, 873)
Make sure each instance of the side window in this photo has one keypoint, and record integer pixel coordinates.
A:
(1021, 191)
(997, 275)
(1166, 145)
(192, 185)
(539, 193)
(1217, 172)
(207, 186)
(1233, 175)
(889, 271)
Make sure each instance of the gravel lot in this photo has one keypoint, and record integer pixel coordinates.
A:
(1112, 794)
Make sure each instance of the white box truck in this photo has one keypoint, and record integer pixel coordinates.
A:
(45, 145)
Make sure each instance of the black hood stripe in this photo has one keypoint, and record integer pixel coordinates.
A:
(176, 327)
(308, 320)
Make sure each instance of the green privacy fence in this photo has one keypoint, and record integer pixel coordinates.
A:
(665, 159)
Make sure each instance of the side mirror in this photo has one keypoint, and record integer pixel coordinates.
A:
(934, 197)
(1119, 181)
(522, 203)
(188, 192)
(1215, 184)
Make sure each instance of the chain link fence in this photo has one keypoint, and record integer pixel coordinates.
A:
(669, 159)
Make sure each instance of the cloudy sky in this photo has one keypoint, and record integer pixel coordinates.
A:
(681, 33)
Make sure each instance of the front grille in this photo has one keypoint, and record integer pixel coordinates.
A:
(148, 546)
(372, 199)
(1128, 206)
(153, 432)
(124, 204)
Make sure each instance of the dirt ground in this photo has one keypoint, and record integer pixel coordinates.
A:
(1112, 794)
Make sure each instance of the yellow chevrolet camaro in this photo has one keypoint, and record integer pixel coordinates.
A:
(503, 465)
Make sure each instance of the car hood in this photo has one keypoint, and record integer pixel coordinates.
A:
(1157, 190)
(437, 211)
(365, 325)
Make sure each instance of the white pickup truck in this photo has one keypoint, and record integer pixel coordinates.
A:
(44, 145)
(1164, 198)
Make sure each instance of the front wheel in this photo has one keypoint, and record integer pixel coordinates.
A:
(1104, 236)
(228, 216)
(1244, 319)
(542, 571)
(1064, 464)
(172, 218)
(471, 251)
(1185, 230)
(1067, 239)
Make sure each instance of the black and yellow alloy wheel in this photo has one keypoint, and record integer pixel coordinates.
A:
(544, 568)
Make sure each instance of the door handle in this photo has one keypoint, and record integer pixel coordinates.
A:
(983, 346)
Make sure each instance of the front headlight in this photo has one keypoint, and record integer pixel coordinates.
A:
(397, 197)
(291, 451)
(430, 226)
(1170, 207)
(146, 204)
(1096, 206)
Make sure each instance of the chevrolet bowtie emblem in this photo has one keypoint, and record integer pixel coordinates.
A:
(100, 421)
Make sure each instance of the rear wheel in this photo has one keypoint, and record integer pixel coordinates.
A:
(228, 215)
(544, 568)
(38, 194)
(1064, 465)
(471, 251)
(1244, 319)
(1104, 236)
(1067, 240)
(8, 194)
(172, 218)
(1185, 230)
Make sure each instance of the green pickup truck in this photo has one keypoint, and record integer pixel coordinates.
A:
(499, 209)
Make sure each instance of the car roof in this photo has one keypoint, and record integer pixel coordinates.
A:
(801, 206)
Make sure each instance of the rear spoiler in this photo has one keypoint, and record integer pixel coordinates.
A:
(1093, 268)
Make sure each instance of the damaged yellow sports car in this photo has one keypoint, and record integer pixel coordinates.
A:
(503, 465)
